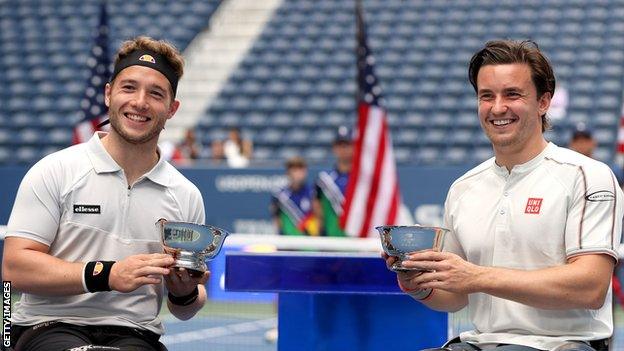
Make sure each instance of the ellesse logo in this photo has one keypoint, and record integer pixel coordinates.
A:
(87, 209)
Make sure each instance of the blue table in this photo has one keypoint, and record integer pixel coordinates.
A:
(336, 301)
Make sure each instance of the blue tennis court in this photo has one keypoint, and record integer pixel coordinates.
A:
(236, 331)
(223, 327)
(207, 333)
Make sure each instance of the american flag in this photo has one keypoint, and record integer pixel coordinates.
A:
(93, 110)
(372, 195)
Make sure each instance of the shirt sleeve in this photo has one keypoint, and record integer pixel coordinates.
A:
(594, 220)
(197, 211)
(451, 243)
(37, 210)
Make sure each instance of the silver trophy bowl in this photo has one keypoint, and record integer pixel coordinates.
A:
(191, 244)
(399, 241)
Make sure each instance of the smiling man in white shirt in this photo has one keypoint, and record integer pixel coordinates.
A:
(81, 242)
(533, 230)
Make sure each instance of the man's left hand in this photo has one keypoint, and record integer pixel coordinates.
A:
(445, 271)
(180, 283)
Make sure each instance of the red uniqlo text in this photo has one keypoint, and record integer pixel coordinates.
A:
(533, 206)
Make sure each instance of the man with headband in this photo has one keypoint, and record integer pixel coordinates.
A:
(81, 242)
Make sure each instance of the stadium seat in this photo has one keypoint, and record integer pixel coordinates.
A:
(429, 155)
(6, 153)
(456, 155)
(403, 155)
(5, 137)
(408, 137)
(316, 154)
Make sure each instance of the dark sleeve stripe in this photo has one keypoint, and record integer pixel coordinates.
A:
(580, 244)
(614, 213)
(597, 251)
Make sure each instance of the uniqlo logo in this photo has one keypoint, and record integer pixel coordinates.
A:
(533, 206)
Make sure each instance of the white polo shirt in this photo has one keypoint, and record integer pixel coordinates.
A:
(558, 205)
(78, 202)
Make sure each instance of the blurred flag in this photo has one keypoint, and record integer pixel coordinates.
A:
(372, 196)
(618, 165)
(619, 156)
(93, 109)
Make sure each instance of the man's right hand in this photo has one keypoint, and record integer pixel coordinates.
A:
(389, 259)
(135, 271)
(403, 278)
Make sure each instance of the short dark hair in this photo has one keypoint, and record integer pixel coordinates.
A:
(581, 131)
(501, 52)
(296, 161)
(162, 47)
(581, 134)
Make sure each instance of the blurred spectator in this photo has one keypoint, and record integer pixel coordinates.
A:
(331, 186)
(582, 141)
(237, 150)
(188, 150)
(217, 155)
(291, 206)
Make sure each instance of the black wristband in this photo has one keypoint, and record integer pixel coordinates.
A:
(184, 300)
(96, 275)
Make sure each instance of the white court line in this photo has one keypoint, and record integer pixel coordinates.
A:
(207, 333)
(240, 341)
